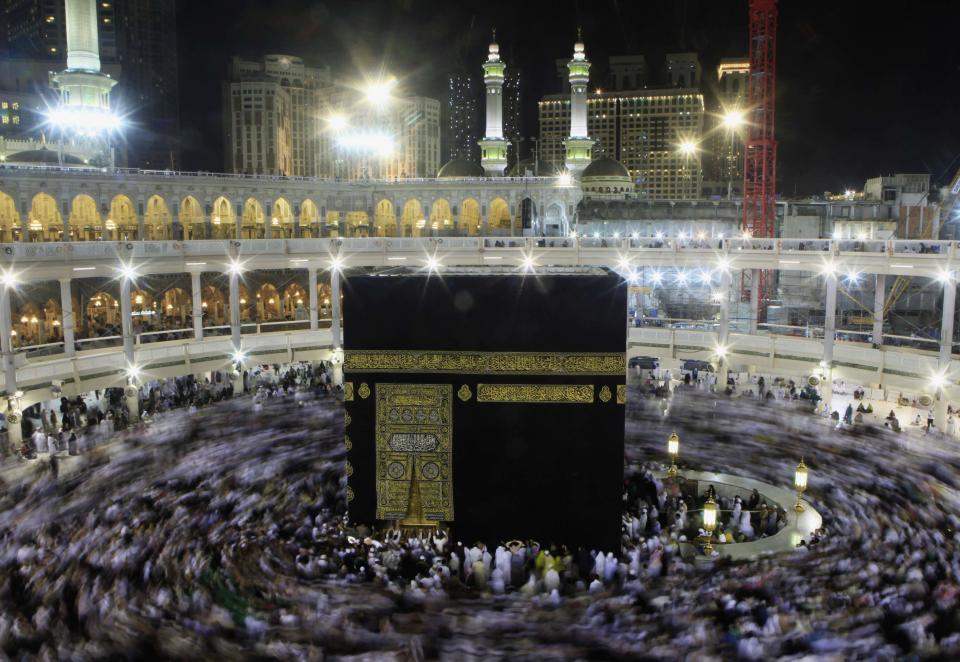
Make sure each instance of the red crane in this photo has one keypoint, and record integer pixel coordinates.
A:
(760, 153)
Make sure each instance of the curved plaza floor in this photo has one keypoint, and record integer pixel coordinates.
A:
(184, 545)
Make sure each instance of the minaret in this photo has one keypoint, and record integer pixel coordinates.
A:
(579, 146)
(84, 107)
(493, 146)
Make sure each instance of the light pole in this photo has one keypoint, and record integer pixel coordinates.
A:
(688, 149)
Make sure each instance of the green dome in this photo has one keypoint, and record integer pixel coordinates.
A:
(44, 156)
(460, 168)
(605, 167)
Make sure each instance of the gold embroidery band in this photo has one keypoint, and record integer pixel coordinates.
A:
(482, 363)
(534, 393)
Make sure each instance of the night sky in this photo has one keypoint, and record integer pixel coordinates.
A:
(862, 89)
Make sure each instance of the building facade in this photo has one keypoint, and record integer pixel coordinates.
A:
(138, 48)
(727, 136)
(463, 117)
(643, 129)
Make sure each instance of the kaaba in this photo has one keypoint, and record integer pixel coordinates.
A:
(487, 401)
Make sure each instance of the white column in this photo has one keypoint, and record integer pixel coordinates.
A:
(946, 351)
(754, 299)
(312, 285)
(67, 323)
(126, 319)
(335, 307)
(197, 306)
(829, 331)
(6, 344)
(723, 332)
(879, 299)
(235, 310)
(132, 394)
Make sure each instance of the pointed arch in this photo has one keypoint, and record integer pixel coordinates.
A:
(385, 219)
(176, 308)
(281, 223)
(103, 311)
(441, 216)
(192, 219)
(499, 216)
(358, 224)
(468, 221)
(295, 302)
(251, 223)
(85, 223)
(157, 220)
(9, 219)
(121, 222)
(44, 221)
(309, 219)
(213, 303)
(223, 220)
(412, 221)
(268, 303)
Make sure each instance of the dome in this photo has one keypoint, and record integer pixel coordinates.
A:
(44, 156)
(605, 167)
(460, 168)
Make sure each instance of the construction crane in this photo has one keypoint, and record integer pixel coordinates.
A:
(760, 153)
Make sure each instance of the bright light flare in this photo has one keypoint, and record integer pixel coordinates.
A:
(84, 120)
(128, 272)
(681, 278)
(8, 278)
(235, 268)
(828, 269)
(338, 121)
(733, 119)
(373, 142)
(432, 264)
(336, 263)
(723, 263)
(938, 381)
(705, 277)
(656, 277)
(564, 179)
(379, 93)
(945, 275)
(528, 264)
(720, 351)
(238, 357)
(133, 372)
(853, 278)
(688, 148)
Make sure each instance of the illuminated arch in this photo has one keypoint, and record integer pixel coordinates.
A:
(222, 219)
(499, 216)
(9, 219)
(85, 223)
(309, 218)
(248, 306)
(213, 302)
(296, 303)
(175, 308)
(251, 223)
(44, 221)
(192, 219)
(468, 220)
(268, 303)
(385, 219)
(412, 221)
(122, 220)
(103, 310)
(281, 223)
(157, 221)
(27, 323)
(358, 224)
(441, 218)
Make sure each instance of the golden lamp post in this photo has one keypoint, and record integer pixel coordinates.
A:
(673, 449)
(800, 483)
(709, 523)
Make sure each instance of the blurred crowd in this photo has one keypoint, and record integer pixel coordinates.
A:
(225, 533)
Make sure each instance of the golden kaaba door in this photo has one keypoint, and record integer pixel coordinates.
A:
(414, 453)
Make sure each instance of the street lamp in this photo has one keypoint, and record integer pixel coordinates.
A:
(673, 449)
(800, 483)
(709, 523)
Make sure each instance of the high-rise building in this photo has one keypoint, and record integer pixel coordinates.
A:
(512, 114)
(729, 130)
(643, 129)
(683, 70)
(463, 117)
(138, 48)
(278, 118)
(627, 72)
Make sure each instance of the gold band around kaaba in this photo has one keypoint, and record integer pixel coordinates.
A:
(534, 393)
(503, 363)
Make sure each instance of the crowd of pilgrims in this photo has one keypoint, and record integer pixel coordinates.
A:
(225, 533)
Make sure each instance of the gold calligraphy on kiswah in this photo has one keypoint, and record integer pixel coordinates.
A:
(507, 363)
(536, 393)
